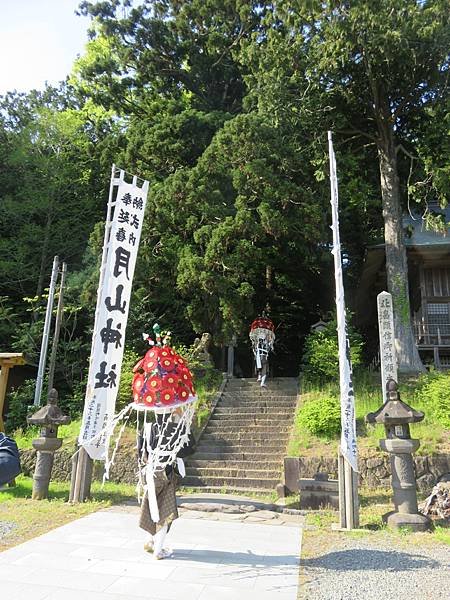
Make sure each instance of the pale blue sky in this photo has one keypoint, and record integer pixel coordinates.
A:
(39, 41)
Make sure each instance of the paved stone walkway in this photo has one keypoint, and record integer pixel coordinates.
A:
(217, 556)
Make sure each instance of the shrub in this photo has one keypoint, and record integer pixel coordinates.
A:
(20, 405)
(124, 393)
(321, 416)
(433, 396)
(321, 353)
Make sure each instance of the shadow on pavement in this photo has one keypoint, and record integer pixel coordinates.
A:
(370, 560)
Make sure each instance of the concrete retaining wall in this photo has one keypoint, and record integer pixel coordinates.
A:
(123, 471)
(374, 471)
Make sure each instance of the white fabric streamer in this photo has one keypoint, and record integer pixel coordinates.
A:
(348, 422)
(181, 468)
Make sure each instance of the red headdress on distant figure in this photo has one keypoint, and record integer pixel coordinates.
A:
(262, 336)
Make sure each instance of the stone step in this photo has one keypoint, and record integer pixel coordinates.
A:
(247, 455)
(216, 441)
(248, 407)
(210, 489)
(241, 450)
(256, 397)
(254, 381)
(230, 482)
(247, 426)
(233, 473)
(258, 435)
(270, 390)
(257, 432)
(229, 451)
(274, 390)
(272, 465)
(243, 420)
(252, 399)
(276, 412)
(247, 421)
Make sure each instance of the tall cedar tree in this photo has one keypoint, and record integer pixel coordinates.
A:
(376, 67)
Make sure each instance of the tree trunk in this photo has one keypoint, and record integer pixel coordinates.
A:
(269, 281)
(396, 261)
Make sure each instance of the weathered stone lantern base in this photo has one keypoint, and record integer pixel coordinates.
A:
(404, 486)
(416, 522)
(46, 448)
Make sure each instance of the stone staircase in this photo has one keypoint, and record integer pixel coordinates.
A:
(244, 443)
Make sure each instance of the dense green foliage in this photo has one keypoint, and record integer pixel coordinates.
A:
(20, 406)
(321, 416)
(223, 107)
(433, 396)
(433, 433)
(321, 352)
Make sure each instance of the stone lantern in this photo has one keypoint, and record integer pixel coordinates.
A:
(49, 418)
(396, 416)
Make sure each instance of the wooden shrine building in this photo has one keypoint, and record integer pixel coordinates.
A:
(428, 255)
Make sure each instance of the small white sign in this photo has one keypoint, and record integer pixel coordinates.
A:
(388, 358)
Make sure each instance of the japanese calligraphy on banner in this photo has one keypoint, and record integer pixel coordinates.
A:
(387, 340)
(348, 421)
(123, 232)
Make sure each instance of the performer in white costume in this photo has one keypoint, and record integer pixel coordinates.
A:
(262, 337)
(163, 392)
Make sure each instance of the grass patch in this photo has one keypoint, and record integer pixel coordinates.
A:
(31, 518)
(433, 436)
(269, 498)
(319, 538)
(206, 389)
(69, 433)
(442, 534)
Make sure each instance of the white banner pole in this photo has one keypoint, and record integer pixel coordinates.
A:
(348, 445)
(122, 235)
(348, 436)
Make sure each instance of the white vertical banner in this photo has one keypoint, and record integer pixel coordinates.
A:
(388, 360)
(122, 235)
(348, 421)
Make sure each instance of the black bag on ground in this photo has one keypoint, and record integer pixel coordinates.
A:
(9, 459)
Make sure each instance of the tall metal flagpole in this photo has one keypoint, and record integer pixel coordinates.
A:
(59, 314)
(45, 335)
(348, 460)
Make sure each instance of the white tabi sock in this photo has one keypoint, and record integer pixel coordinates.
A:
(158, 540)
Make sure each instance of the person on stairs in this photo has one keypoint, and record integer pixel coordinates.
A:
(262, 337)
(262, 367)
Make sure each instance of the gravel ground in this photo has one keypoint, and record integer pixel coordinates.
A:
(6, 527)
(369, 570)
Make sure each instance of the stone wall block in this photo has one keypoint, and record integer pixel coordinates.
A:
(438, 465)
(374, 471)
(374, 462)
(421, 466)
(426, 483)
